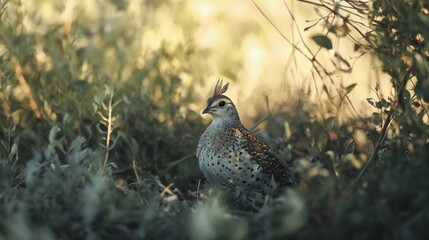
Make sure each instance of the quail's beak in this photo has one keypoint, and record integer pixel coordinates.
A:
(207, 110)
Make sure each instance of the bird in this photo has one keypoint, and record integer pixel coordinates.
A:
(230, 156)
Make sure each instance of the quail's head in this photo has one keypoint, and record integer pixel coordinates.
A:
(219, 106)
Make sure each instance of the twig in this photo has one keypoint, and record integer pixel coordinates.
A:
(165, 189)
(379, 143)
(174, 163)
(317, 65)
(26, 89)
(281, 34)
(109, 131)
(259, 122)
(135, 173)
(198, 190)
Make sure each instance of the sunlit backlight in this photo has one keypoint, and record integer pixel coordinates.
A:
(204, 10)
(255, 54)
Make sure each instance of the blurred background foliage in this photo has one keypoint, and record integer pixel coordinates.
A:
(100, 117)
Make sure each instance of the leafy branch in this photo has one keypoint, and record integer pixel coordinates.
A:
(104, 107)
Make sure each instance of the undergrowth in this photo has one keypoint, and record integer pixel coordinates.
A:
(98, 138)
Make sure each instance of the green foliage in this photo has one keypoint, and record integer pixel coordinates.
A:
(92, 129)
(323, 41)
(72, 200)
(401, 39)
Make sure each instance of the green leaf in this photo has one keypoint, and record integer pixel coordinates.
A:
(322, 41)
(371, 101)
(357, 47)
(77, 144)
(416, 104)
(13, 150)
(385, 104)
(422, 73)
(53, 134)
(350, 88)
(376, 118)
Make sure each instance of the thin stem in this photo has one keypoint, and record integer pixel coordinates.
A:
(380, 141)
(136, 174)
(176, 162)
(109, 130)
(278, 30)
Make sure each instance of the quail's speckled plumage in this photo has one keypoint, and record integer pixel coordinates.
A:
(229, 155)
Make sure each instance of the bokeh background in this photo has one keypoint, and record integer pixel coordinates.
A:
(232, 40)
(101, 106)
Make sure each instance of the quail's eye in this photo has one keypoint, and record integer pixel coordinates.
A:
(221, 103)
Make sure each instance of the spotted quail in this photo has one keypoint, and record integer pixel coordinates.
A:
(229, 155)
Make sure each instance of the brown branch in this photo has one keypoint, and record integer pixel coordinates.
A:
(380, 141)
(26, 89)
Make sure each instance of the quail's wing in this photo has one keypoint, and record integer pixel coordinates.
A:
(267, 159)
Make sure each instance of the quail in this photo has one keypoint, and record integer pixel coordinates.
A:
(230, 156)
